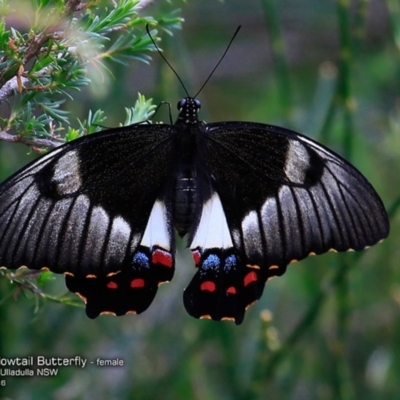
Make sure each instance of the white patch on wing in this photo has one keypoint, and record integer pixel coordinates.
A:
(66, 173)
(98, 226)
(291, 219)
(157, 232)
(213, 229)
(118, 241)
(252, 235)
(75, 225)
(271, 225)
(297, 161)
(120, 229)
(250, 223)
(96, 236)
(237, 237)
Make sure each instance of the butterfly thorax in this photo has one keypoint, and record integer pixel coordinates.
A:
(186, 197)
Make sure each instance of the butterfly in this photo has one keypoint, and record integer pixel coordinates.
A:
(249, 199)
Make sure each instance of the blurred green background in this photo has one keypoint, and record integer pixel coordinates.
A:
(330, 327)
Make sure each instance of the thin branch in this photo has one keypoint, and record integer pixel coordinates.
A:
(35, 46)
(10, 86)
(73, 5)
(31, 142)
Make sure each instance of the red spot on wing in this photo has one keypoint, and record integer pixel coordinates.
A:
(196, 256)
(250, 278)
(208, 286)
(231, 290)
(112, 285)
(162, 257)
(137, 283)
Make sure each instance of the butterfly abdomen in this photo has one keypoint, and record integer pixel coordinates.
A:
(186, 199)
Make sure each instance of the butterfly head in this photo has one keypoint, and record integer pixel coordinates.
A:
(188, 109)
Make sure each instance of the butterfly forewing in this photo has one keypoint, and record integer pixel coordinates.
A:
(286, 196)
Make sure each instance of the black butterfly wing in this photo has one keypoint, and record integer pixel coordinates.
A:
(283, 197)
(94, 209)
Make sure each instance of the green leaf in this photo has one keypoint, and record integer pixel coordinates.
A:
(140, 112)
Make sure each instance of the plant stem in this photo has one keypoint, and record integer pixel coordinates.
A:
(273, 21)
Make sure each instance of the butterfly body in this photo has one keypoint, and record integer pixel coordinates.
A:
(250, 198)
(186, 196)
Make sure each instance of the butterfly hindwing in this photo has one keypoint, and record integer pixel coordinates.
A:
(94, 210)
(223, 287)
(225, 284)
(132, 289)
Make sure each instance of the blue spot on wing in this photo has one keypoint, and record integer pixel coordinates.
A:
(141, 259)
(211, 262)
(230, 262)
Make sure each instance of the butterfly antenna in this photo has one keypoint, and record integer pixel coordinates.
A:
(219, 62)
(169, 65)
